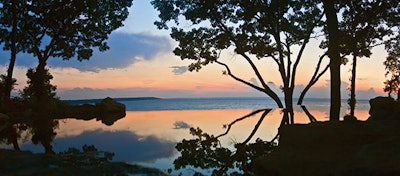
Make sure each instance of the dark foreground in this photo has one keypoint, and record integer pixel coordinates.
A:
(27, 163)
(369, 148)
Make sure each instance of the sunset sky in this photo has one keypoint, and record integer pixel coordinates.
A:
(141, 63)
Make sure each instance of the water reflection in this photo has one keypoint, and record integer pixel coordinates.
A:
(205, 150)
(149, 137)
(127, 146)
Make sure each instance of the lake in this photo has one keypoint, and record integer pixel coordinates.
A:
(152, 127)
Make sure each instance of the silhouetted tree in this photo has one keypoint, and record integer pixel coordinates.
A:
(355, 32)
(392, 64)
(43, 123)
(362, 30)
(255, 30)
(12, 14)
(69, 29)
(35, 88)
(334, 55)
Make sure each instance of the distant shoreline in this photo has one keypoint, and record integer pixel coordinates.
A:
(91, 101)
(157, 98)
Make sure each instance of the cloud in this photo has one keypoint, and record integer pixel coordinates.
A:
(254, 81)
(178, 70)
(126, 145)
(125, 49)
(270, 82)
(181, 125)
(324, 92)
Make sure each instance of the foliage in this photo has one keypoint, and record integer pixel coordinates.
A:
(69, 28)
(392, 65)
(63, 29)
(12, 14)
(362, 30)
(35, 87)
(90, 156)
(3, 88)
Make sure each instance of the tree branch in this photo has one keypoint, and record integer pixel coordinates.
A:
(314, 78)
(299, 55)
(239, 79)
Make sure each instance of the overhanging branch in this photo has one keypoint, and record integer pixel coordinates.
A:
(239, 79)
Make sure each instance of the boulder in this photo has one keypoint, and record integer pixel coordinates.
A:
(384, 108)
(334, 148)
(110, 111)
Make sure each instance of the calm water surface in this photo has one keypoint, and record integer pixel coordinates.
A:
(151, 128)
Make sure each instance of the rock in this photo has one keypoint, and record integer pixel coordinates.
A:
(110, 111)
(384, 108)
(335, 148)
(107, 111)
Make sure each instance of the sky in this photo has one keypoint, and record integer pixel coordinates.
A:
(140, 63)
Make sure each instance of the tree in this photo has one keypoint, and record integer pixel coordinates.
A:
(68, 29)
(255, 30)
(11, 18)
(334, 55)
(362, 30)
(50, 29)
(392, 64)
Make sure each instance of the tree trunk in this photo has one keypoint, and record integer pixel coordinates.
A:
(40, 82)
(289, 106)
(335, 60)
(352, 101)
(10, 70)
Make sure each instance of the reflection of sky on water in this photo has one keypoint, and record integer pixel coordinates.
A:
(126, 145)
(149, 137)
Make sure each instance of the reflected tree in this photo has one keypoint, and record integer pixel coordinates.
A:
(9, 131)
(43, 132)
(206, 152)
(42, 121)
